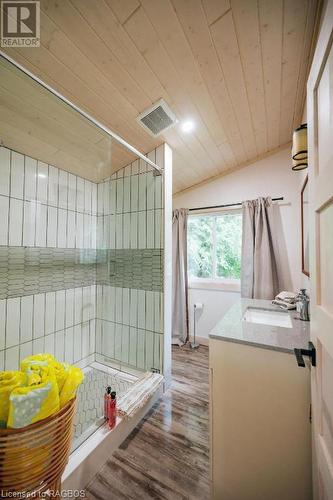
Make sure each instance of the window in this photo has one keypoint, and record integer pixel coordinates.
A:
(214, 248)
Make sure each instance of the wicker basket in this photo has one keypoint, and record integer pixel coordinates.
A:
(33, 459)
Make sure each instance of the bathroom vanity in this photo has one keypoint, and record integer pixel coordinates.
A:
(259, 405)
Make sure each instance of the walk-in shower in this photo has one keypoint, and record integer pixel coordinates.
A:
(85, 224)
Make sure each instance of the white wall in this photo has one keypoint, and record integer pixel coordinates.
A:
(273, 177)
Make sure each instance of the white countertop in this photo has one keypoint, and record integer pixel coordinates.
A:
(232, 328)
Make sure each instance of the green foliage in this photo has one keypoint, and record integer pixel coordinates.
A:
(214, 246)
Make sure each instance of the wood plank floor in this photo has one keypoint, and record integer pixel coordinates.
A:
(167, 454)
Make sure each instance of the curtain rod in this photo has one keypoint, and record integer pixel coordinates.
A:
(228, 205)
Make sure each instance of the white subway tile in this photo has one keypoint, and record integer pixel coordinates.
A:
(27, 308)
(15, 222)
(119, 305)
(71, 192)
(2, 324)
(127, 230)
(38, 346)
(87, 196)
(78, 305)
(100, 198)
(87, 231)
(86, 303)
(120, 196)
(158, 191)
(17, 175)
(142, 309)
(150, 229)
(92, 336)
(141, 349)
(150, 311)
(49, 344)
(69, 307)
(25, 350)
(106, 198)
(69, 345)
(112, 231)
(60, 310)
(39, 315)
(108, 338)
(142, 230)
(30, 179)
(4, 170)
(71, 229)
(142, 191)
(98, 342)
(125, 344)
(77, 343)
(150, 191)
(80, 194)
(52, 227)
(62, 228)
(29, 223)
(63, 189)
(12, 359)
(41, 219)
(158, 228)
(134, 230)
(79, 230)
(133, 316)
(42, 182)
(119, 231)
(60, 346)
(94, 198)
(13, 315)
(53, 186)
(113, 196)
(134, 193)
(49, 312)
(149, 350)
(133, 346)
(85, 340)
(4, 212)
(117, 342)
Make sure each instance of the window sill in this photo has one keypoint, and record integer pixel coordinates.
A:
(224, 286)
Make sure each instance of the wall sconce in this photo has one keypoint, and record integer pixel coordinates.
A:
(300, 148)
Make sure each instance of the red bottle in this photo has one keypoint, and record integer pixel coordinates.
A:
(112, 410)
(107, 397)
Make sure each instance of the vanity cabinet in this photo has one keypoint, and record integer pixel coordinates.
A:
(259, 422)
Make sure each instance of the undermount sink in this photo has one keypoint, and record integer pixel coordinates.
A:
(267, 317)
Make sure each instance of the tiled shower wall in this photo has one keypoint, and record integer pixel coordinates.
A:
(81, 264)
(48, 221)
(130, 270)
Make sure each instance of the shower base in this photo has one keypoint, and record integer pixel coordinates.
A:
(93, 442)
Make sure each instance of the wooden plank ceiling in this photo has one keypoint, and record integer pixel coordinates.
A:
(237, 68)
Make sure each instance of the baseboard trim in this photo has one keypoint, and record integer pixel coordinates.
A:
(200, 340)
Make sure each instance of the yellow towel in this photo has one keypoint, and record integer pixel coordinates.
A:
(37, 400)
(72, 382)
(8, 381)
(60, 369)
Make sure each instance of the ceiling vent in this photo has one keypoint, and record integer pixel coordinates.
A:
(158, 118)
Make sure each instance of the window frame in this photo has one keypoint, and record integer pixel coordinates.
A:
(215, 283)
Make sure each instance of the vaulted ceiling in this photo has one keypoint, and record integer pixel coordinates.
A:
(237, 68)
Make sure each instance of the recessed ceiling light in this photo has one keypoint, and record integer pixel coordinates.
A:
(187, 126)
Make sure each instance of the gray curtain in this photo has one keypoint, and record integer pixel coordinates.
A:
(259, 279)
(179, 277)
